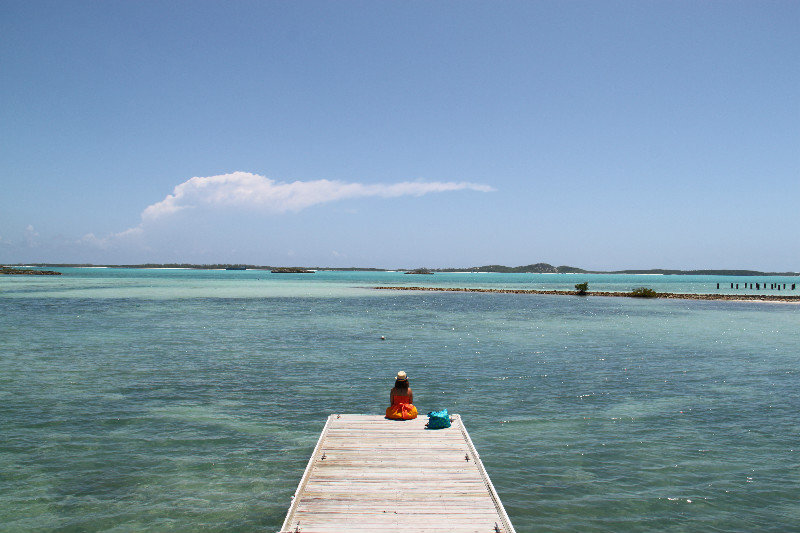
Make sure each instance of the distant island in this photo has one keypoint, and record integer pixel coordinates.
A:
(291, 270)
(546, 268)
(28, 272)
(419, 271)
(534, 268)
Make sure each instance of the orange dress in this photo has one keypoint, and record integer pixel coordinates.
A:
(401, 409)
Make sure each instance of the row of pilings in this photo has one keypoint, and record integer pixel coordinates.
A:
(766, 286)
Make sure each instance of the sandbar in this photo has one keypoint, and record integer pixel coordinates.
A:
(664, 295)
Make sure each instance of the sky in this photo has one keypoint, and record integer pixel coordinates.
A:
(603, 135)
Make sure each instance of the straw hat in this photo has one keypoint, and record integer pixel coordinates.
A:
(402, 376)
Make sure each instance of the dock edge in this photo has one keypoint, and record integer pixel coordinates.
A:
(507, 527)
(286, 526)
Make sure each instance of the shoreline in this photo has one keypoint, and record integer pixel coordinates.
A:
(660, 295)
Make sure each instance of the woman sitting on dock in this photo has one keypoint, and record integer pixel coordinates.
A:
(401, 399)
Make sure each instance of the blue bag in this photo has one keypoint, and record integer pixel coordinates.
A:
(438, 420)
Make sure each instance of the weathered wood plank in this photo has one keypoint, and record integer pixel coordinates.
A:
(371, 474)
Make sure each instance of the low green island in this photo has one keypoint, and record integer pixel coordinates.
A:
(27, 272)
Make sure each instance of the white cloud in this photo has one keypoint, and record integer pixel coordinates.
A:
(29, 236)
(92, 240)
(259, 193)
(243, 189)
(130, 232)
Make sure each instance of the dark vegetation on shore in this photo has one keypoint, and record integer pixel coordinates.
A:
(643, 292)
(534, 268)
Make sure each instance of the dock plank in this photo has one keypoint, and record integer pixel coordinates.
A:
(371, 474)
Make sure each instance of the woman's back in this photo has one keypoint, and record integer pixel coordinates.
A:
(399, 395)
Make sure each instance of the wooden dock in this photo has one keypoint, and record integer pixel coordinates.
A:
(372, 474)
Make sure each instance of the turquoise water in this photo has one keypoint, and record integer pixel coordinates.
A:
(191, 400)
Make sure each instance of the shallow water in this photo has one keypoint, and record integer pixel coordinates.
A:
(185, 400)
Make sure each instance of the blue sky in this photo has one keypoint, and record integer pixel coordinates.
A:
(596, 134)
